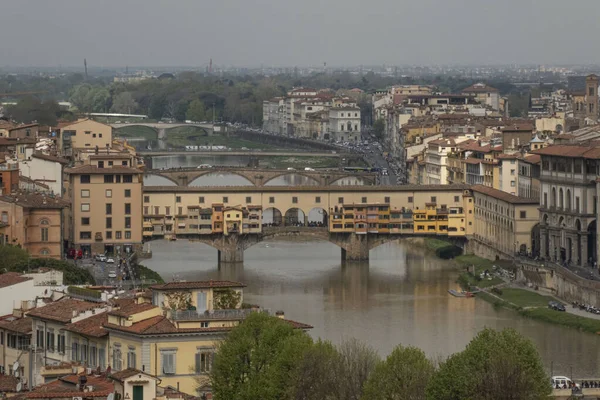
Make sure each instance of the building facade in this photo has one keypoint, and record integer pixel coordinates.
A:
(344, 123)
(85, 134)
(107, 210)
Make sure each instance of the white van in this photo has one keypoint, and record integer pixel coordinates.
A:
(309, 169)
(563, 382)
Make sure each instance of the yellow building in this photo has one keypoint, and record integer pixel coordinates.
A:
(174, 338)
(85, 134)
(234, 220)
(504, 221)
(106, 212)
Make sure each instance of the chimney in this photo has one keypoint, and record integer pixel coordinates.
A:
(280, 314)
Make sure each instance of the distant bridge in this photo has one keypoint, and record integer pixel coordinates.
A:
(160, 126)
(254, 153)
(260, 177)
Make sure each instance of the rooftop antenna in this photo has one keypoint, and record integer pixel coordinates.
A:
(85, 66)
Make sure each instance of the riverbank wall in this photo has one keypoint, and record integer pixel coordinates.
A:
(563, 283)
(484, 250)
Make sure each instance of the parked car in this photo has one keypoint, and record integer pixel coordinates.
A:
(110, 260)
(112, 274)
(554, 305)
(100, 257)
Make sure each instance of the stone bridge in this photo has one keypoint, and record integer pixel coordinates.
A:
(355, 247)
(260, 177)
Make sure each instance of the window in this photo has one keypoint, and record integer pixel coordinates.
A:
(108, 193)
(456, 199)
(225, 199)
(177, 199)
(117, 178)
(364, 200)
(127, 234)
(127, 178)
(5, 217)
(108, 234)
(410, 199)
(576, 203)
(85, 207)
(523, 214)
(60, 345)
(146, 209)
(203, 361)
(99, 135)
(85, 235)
(88, 132)
(110, 164)
(167, 210)
(85, 221)
(127, 208)
(271, 199)
(108, 222)
(340, 200)
(295, 200)
(102, 358)
(108, 208)
(109, 178)
(127, 192)
(84, 179)
(118, 235)
(156, 210)
(248, 199)
(85, 193)
(179, 210)
(93, 355)
(146, 199)
(318, 199)
(168, 362)
(39, 338)
(433, 199)
(117, 361)
(590, 91)
(131, 358)
(75, 351)
(124, 163)
(201, 199)
(93, 135)
(83, 353)
(44, 233)
(512, 172)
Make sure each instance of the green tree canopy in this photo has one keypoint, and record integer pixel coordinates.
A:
(494, 366)
(403, 375)
(378, 128)
(124, 103)
(196, 111)
(30, 109)
(258, 359)
(317, 374)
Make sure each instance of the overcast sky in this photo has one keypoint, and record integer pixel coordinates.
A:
(300, 32)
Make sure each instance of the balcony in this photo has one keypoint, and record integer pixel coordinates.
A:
(222, 315)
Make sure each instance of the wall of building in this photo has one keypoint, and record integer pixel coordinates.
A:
(89, 134)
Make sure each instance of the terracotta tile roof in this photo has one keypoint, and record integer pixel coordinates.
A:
(48, 157)
(132, 309)
(91, 326)
(504, 196)
(12, 278)
(443, 142)
(8, 383)
(475, 146)
(298, 325)
(28, 180)
(518, 128)
(532, 159)
(35, 200)
(19, 325)
(92, 169)
(127, 373)
(23, 127)
(507, 156)
(62, 310)
(197, 285)
(565, 150)
(473, 160)
(66, 387)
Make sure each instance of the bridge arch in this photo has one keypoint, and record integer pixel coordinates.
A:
(318, 216)
(272, 216)
(216, 178)
(295, 176)
(294, 216)
(349, 180)
(155, 179)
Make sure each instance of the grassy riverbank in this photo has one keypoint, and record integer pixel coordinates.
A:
(193, 136)
(535, 306)
(468, 278)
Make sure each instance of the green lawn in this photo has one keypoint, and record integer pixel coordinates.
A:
(191, 135)
(563, 318)
(434, 244)
(525, 298)
(299, 162)
(137, 131)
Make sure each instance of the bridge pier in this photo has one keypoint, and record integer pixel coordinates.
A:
(231, 255)
(355, 248)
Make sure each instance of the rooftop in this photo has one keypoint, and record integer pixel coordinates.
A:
(127, 373)
(12, 278)
(571, 151)
(92, 326)
(67, 387)
(504, 196)
(34, 200)
(92, 169)
(198, 285)
(48, 157)
(63, 310)
(132, 309)
(19, 325)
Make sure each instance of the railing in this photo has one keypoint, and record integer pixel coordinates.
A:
(191, 315)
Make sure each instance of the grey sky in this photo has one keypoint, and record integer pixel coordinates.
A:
(301, 32)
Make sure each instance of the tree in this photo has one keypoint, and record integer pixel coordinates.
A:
(196, 111)
(124, 103)
(30, 109)
(378, 128)
(315, 377)
(357, 362)
(494, 366)
(157, 107)
(258, 359)
(403, 375)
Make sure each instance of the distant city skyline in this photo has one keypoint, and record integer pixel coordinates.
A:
(275, 33)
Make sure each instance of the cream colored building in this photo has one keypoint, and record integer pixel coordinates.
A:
(35, 222)
(85, 134)
(505, 222)
(106, 206)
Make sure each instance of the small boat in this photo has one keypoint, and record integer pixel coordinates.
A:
(463, 293)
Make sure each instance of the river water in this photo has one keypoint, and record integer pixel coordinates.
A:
(399, 298)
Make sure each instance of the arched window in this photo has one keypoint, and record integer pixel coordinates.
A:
(44, 222)
(553, 199)
(44, 231)
(45, 252)
(560, 199)
(568, 200)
